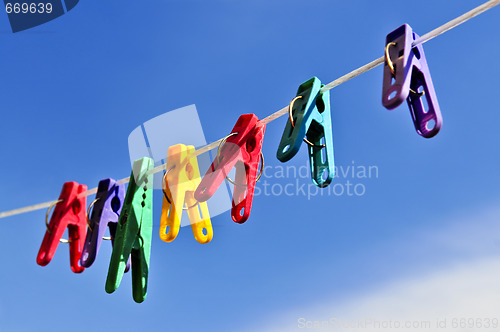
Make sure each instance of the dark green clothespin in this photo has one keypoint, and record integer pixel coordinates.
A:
(310, 121)
(134, 232)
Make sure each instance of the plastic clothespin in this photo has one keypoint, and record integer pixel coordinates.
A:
(69, 213)
(107, 207)
(134, 231)
(181, 180)
(310, 121)
(407, 76)
(242, 149)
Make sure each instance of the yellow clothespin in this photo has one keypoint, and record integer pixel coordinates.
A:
(179, 183)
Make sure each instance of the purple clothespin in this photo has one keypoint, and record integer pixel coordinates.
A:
(407, 76)
(107, 207)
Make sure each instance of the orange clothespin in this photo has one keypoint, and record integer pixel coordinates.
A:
(69, 213)
(180, 181)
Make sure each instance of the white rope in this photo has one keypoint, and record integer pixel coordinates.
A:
(456, 22)
(425, 38)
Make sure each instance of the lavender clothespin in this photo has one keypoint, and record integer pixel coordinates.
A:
(407, 76)
(107, 207)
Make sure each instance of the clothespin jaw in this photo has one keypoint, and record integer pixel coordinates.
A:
(69, 213)
(106, 210)
(407, 77)
(320, 134)
(134, 232)
(242, 149)
(181, 180)
(310, 121)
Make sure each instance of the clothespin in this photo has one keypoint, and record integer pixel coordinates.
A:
(69, 213)
(134, 232)
(107, 207)
(180, 181)
(407, 76)
(240, 149)
(310, 121)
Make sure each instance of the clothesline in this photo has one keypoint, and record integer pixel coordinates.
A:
(363, 69)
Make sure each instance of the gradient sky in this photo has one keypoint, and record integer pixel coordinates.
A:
(425, 232)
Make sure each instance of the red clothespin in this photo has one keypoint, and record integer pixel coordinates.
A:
(69, 213)
(240, 149)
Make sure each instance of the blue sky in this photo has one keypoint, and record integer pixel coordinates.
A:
(424, 231)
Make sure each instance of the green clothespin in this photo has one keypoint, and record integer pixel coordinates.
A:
(309, 120)
(134, 232)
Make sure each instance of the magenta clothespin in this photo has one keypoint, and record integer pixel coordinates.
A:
(107, 207)
(407, 76)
